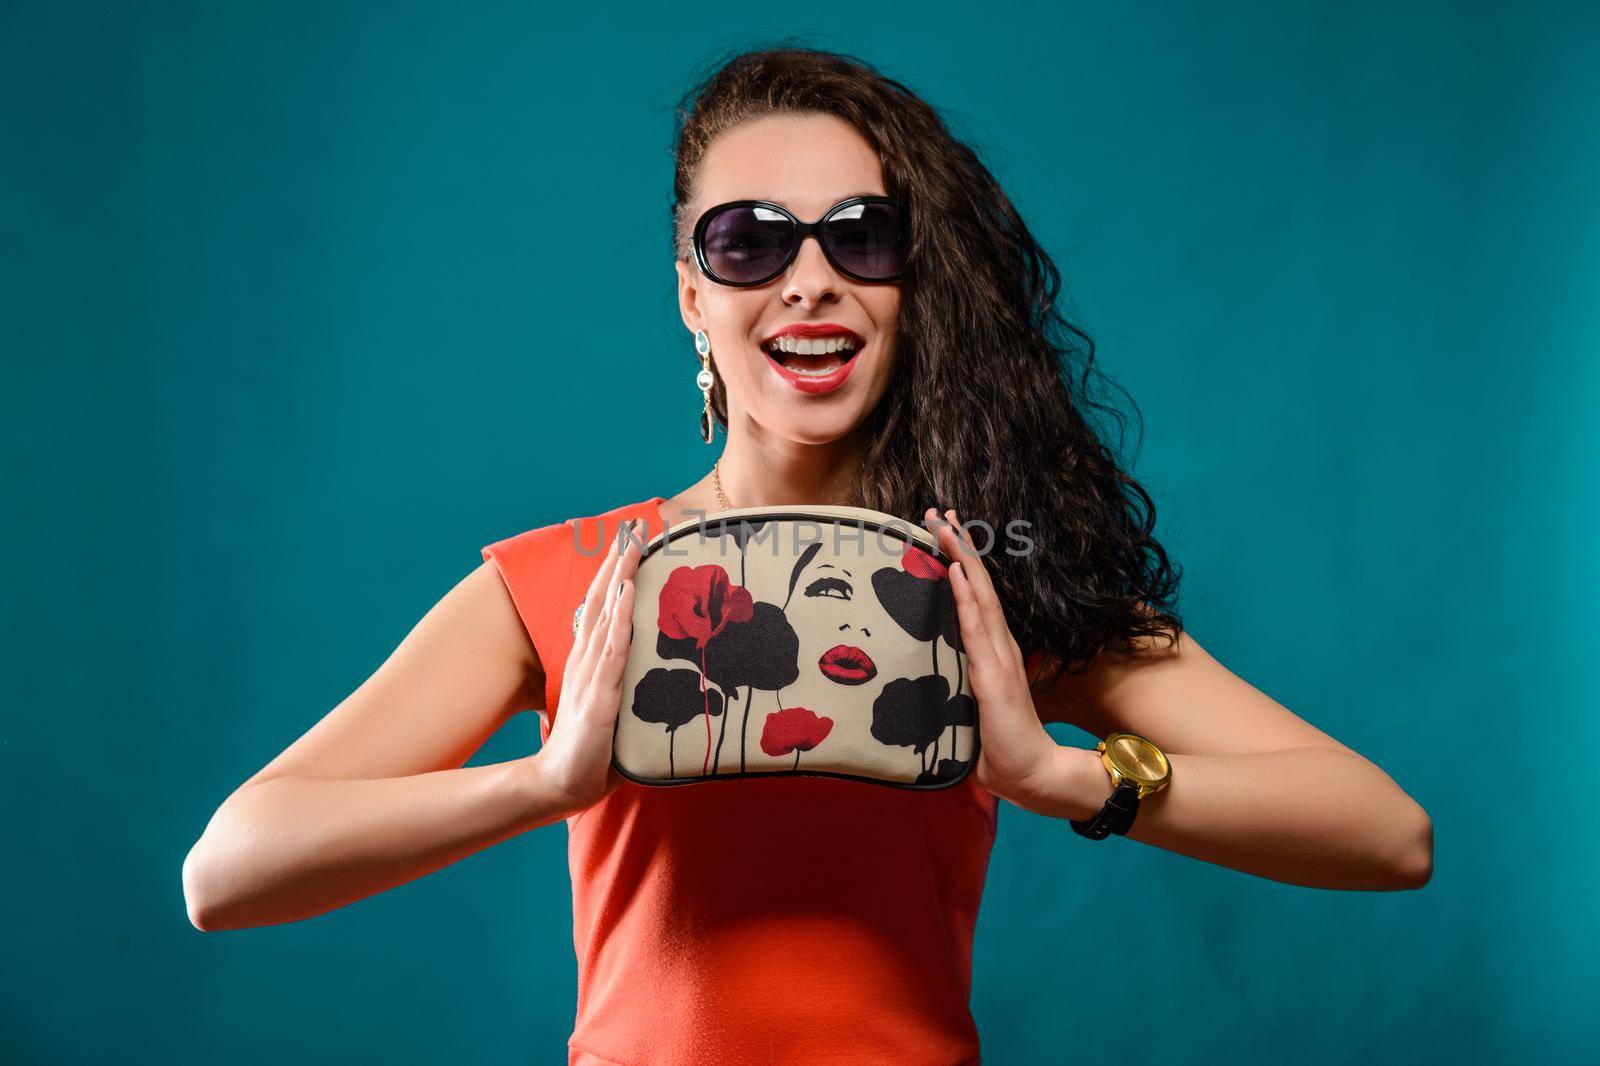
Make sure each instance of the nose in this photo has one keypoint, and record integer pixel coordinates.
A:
(812, 281)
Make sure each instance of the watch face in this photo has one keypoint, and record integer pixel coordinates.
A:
(1137, 758)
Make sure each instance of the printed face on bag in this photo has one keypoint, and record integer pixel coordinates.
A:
(836, 613)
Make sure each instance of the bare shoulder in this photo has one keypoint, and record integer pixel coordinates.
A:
(491, 614)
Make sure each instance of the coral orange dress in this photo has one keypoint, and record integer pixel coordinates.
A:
(791, 920)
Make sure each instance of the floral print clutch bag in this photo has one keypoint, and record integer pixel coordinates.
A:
(810, 640)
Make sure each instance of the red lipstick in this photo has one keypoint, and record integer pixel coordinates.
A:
(813, 329)
(847, 665)
(792, 367)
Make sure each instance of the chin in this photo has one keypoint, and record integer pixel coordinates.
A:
(805, 428)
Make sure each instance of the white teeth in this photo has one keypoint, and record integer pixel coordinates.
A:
(812, 345)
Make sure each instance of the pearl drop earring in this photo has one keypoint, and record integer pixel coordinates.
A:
(704, 380)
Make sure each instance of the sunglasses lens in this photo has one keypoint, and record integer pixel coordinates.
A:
(868, 240)
(747, 244)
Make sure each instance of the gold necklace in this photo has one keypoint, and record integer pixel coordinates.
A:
(716, 480)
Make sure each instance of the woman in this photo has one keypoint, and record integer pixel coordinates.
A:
(816, 920)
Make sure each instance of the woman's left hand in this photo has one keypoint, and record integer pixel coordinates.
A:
(1017, 760)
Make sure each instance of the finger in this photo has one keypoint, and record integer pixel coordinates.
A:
(949, 535)
(1007, 673)
(594, 605)
(969, 549)
(619, 638)
(626, 565)
(994, 616)
(959, 546)
(975, 638)
(593, 600)
(939, 526)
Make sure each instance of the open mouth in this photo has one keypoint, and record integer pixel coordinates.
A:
(812, 356)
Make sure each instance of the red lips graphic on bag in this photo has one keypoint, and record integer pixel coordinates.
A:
(847, 665)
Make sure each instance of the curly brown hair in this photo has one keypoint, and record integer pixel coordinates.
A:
(978, 292)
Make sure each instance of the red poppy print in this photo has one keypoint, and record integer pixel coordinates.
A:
(698, 602)
(919, 563)
(793, 729)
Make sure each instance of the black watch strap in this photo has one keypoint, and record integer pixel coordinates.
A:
(1115, 817)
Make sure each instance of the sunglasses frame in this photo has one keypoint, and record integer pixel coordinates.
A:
(802, 231)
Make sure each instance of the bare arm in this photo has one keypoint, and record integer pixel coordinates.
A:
(375, 794)
(1254, 787)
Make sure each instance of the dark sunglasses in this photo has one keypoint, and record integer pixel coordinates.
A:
(750, 242)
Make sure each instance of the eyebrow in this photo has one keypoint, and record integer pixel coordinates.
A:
(840, 200)
(830, 566)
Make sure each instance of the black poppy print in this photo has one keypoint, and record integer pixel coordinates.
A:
(674, 698)
(821, 641)
(921, 600)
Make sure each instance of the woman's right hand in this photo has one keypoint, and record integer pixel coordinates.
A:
(576, 757)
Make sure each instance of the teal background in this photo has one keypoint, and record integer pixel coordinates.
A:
(304, 303)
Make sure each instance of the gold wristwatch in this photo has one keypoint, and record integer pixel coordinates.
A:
(1138, 769)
